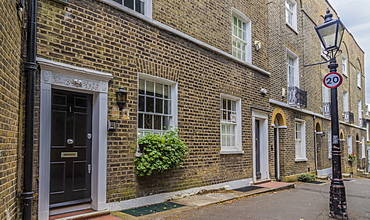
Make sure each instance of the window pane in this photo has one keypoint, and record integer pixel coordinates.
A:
(139, 6)
(149, 104)
(141, 86)
(129, 3)
(149, 88)
(166, 123)
(118, 1)
(159, 106)
(157, 122)
(166, 107)
(141, 121)
(233, 106)
(148, 122)
(158, 90)
(167, 91)
(141, 103)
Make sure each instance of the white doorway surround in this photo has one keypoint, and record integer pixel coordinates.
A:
(71, 78)
(263, 166)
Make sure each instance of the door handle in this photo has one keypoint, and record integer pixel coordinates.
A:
(70, 141)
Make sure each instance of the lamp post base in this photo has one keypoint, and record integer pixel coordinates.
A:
(338, 204)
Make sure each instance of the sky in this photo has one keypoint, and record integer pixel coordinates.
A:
(355, 15)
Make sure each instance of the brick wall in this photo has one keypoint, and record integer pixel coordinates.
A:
(10, 87)
(94, 35)
(210, 22)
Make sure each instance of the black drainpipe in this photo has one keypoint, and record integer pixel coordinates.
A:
(30, 67)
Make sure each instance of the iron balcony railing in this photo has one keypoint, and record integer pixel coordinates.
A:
(362, 122)
(297, 97)
(326, 109)
(349, 117)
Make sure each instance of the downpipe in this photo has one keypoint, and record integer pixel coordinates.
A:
(30, 68)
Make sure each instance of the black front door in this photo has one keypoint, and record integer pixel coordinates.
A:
(70, 159)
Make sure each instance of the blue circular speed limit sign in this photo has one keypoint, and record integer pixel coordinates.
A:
(333, 80)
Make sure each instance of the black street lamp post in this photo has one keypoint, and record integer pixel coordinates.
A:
(330, 34)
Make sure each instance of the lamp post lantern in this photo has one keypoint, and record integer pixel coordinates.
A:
(330, 34)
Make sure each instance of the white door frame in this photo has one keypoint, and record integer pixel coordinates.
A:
(264, 152)
(71, 78)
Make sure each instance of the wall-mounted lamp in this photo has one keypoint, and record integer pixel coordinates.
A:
(263, 91)
(112, 125)
(257, 45)
(121, 97)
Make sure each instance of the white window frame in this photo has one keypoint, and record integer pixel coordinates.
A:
(345, 101)
(237, 149)
(363, 148)
(358, 79)
(349, 144)
(291, 14)
(329, 143)
(292, 68)
(359, 105)
(300, 144)
(173, 106)
(244, 51)
(325, 99)
(344, 65)
(147, 7)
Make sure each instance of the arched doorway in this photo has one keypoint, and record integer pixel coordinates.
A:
(279, 122)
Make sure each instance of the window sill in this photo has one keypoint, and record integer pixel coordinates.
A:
(231, 152)
(294, 29)
(301, 159)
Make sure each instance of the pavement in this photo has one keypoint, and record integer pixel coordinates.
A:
(190, 202)
(272, 200)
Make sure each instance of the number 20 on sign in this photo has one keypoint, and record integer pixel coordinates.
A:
(333, 80)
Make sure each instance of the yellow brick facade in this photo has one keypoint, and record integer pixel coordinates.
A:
(10, 105)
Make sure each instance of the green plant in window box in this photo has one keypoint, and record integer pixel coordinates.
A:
(160, 152)
(352, 157)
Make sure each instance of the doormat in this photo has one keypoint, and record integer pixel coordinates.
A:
(151, 209)
(248, 188)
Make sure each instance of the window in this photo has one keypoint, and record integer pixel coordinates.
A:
(300, 141)
(325, 101)
(141, 6)
(363, 148)
(349, 140)
(344, 65)
(292, 69)
(345, 101)
(358, 79)
(291, 13)
(157, 110)
(329, 143)
(241, 38)
(360, 120)
(230, 124)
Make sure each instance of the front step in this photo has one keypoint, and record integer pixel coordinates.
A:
(78, 216)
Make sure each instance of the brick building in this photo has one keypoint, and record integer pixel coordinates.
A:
(216, 71)
(200, 70)
(301, 131)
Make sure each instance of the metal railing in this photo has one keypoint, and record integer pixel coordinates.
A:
(349, 117)
(297, 97)
(362, 122)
